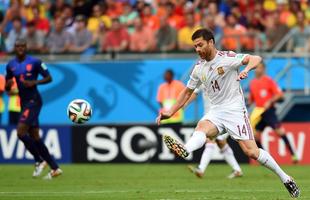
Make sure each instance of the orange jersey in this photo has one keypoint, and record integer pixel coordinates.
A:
(169, 91)
(262, 90)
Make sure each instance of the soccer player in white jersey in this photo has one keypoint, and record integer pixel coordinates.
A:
(210, 146)
(218, 72)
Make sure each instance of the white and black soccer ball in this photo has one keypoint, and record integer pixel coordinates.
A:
(79, 111)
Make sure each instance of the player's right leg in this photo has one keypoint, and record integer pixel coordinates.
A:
(250, 148)
(55, 170)
(229, 156)
(30, 145)
(204, 129)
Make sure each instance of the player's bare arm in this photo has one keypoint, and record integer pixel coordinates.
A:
(181, 100)
(8, 84)
(32, 83)
(251, 62)
(191, 99)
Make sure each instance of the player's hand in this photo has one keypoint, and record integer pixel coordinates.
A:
(161, 116)
(243, 75)
(29, 83)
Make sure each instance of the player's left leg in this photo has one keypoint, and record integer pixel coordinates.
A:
(250, 148)
(55, 170)
(229, 156)
(240, 129)
(204, 129)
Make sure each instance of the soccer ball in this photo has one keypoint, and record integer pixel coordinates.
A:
(79, 111)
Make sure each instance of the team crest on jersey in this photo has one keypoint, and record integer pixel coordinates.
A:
(220, 70)
(203, 78)
(28, 67)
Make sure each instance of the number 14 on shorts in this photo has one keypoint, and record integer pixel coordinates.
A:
(242, 129)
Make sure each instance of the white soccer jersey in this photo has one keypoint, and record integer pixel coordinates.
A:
(218, 79)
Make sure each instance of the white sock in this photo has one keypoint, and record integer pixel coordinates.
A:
(197, 140)
(267, 160)
(206, 156)
(230, 158)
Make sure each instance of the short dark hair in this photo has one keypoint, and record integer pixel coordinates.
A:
(170, 71)
(205, 33)
(20, 41)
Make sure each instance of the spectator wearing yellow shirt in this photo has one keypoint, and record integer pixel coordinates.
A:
(270, 5)
(98, 19)
(185, 42)
(35, 4)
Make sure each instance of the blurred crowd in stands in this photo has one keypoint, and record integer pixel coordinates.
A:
(92, 26)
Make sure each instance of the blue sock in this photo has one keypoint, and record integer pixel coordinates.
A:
(45, 154)
(31, 147)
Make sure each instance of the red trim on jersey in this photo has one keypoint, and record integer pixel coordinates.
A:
(248, 127)
(221, 53)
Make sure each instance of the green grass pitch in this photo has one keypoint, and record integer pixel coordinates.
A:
(148, 181)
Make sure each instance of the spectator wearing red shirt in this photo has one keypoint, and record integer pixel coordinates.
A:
(42, 24)
(264, 92)
(117, 38)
